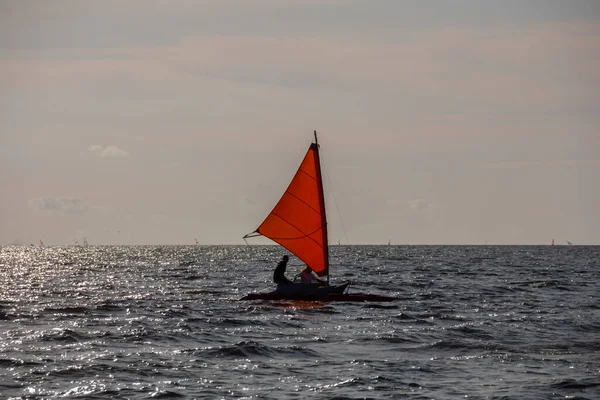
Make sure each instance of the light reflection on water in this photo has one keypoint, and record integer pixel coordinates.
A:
(145, 321)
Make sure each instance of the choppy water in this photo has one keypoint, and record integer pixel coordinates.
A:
(139, 322)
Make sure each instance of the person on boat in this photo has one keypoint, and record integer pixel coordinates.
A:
(307, 277)
(279, 274)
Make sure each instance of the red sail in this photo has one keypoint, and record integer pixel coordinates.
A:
(298, 221)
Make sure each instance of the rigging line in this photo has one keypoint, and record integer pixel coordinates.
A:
(335, 202)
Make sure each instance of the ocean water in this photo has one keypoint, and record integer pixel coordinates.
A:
(476, 322)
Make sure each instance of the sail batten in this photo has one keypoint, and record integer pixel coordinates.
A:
(310, 176)
(299, 199)
(298, 221)
(304, 235)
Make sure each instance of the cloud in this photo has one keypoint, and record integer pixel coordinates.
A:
(108, 151)
(419, 204)
(541, 64)
(95, 149)
(67, 205)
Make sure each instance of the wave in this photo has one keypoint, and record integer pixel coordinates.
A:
(62, 335)
(80, 371)
(14, 362)
(167, 394)
(467, 345)
(68, 310)
(577, 384)
(135, 324)
(246, 349)
(110, 305)
(472, 332)
(382, 306)
(390, 339)
(4, 316)
(193, 277)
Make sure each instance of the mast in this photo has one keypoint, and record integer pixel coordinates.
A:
(322, 201)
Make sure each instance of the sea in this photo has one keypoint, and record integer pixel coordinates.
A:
(140, 322)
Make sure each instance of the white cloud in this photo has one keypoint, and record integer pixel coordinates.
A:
(95, 149)
(108, 151)
(419, 204)
(111, 151)
(68, 205)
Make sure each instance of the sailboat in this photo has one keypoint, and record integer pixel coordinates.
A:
(299, 223)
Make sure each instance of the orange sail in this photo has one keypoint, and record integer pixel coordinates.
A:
(298, 221)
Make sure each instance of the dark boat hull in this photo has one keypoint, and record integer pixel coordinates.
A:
(299, 289)
(315, 293)
(354, 297)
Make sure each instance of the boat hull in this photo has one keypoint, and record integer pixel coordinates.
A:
(315, 293)
(310, 290)
(354, 297)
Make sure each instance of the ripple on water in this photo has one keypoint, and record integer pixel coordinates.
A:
(164, 321)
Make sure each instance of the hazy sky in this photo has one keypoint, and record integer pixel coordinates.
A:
(161, 122)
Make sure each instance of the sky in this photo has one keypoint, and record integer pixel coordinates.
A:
(163, 122)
